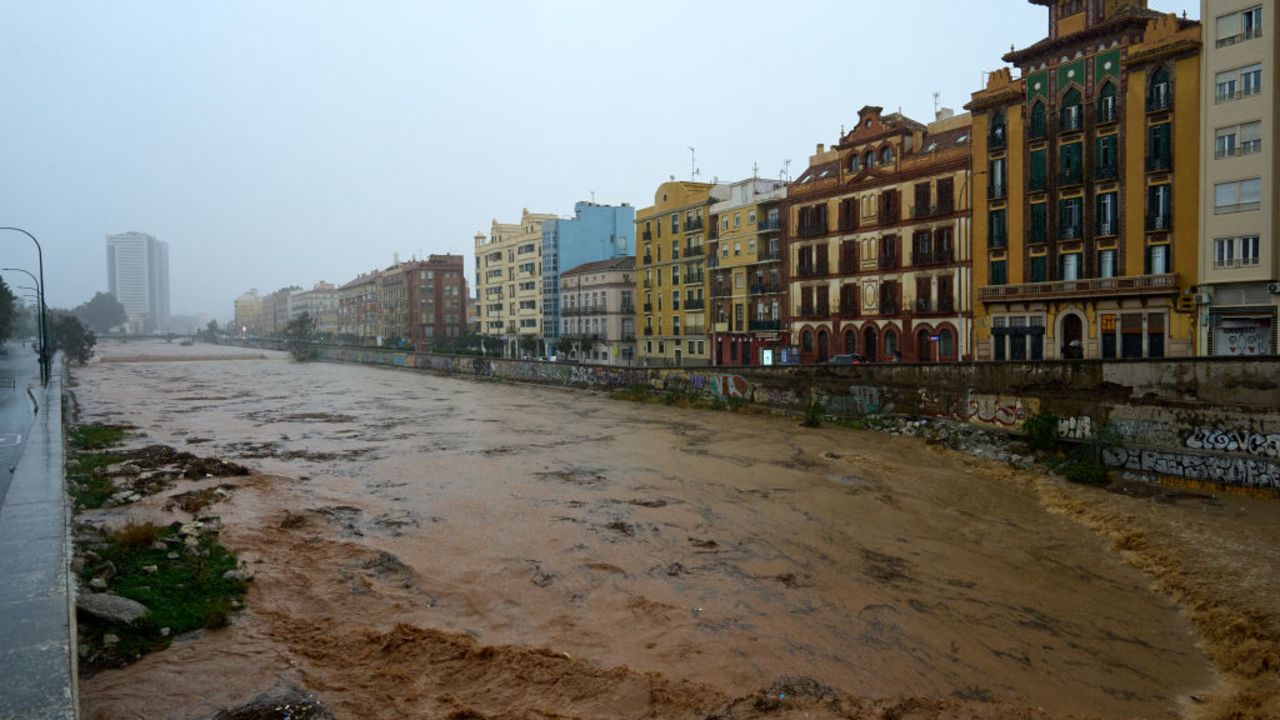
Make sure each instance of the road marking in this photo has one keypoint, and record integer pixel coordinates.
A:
(10, 439)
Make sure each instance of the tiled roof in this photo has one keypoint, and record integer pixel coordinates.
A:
(624, 262)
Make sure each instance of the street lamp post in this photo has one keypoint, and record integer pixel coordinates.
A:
(39, 331)
(39, 301)
(44, 316)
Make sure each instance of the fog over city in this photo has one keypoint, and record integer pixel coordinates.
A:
(287, 142)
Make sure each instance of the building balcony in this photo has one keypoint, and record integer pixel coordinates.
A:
(695, 331)
(847, 224)
(693, 279)
(648, 307)
(694, 251)
(714, 232)
(628, 338)
(997, 190)
(1240, 37)
(766, 254)
(806, 231)
(1136, 285)
(814, 313)
(1074, 176)
(806, 271)
(1070, 119)
(721, 291)
(627, 309)
(1070, 232)
(767, 288)
(694, 303)
(1107, 228)
(693, 225)
(1106, 172)
(768, 225)
(848, 309)
(648, 332)
(887, 217)
(1159, 163)
(763, 325)
(1159, 222)
(888, 309)
(887, 262)
(647, 284)
(924, 305)
(648, 259)
(848, 266)
(936, 257)
(1158, 98)
(648, 235)
(1107, 113)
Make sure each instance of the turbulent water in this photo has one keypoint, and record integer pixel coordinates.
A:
(438, 547)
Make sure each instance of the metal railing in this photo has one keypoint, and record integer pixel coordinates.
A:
(755, 325)
(1130, 285)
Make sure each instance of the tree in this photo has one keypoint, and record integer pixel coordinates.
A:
(298, 337)
(102, 313)
(8, 312)
(71, 337)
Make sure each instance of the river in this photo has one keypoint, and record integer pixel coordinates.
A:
(427, 545)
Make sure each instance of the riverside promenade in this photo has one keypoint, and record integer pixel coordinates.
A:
(37, 623)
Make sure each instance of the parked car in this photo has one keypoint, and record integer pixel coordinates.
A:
(851, 359)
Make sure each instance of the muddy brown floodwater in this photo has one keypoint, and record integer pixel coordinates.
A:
(429, 546)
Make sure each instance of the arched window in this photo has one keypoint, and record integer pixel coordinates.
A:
(855, 164)
(1071, 118)
(824, 346)
(886, 155)
(1038, 125)
(924, 346)
(997, 135)
(891, 342)
(869, 160)
(946, 344)
(850, 341)
(1158, 95)
(1107, 108)
(869, 343)
(806, 341)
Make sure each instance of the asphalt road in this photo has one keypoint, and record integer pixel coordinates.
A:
(18, 362)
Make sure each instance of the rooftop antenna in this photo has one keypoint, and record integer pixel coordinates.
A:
(593, 197)
(693, 164)
(755, 171)
(936, 105)
(786, 169)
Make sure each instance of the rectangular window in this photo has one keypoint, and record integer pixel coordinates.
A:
(1069, 266)
(1251, 80)
(996, 184)
(1251, 22)
(998, 272)
(1224, 142)
(1106, 165)
(1237, 196)
(1227, 86)
(1155, 335)
(1070, 163)
(1107, 263)
(1159, 151)
(1131, 335)
(1250, 138)
(1224, 252)
(1039, 170)
(1159, 209)
(998, 232)
(1039, 268)
(1157, 260)
(1107, 215)
(1070, 217)
(1037, 228)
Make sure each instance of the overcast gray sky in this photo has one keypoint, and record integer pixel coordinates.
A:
(275, 142)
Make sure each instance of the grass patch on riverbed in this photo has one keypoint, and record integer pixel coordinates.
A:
(89, 487)
(181, 581)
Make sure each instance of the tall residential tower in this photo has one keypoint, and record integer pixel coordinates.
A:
(138, 276)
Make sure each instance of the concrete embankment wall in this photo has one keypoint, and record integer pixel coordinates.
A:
(1202, 420)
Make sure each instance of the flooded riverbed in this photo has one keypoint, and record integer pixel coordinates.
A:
(402, 524)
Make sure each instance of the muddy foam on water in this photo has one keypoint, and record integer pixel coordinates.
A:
(429, 546)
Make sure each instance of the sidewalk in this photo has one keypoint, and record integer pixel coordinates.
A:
(37, 643)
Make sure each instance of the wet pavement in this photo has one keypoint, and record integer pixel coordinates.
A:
(401, 510)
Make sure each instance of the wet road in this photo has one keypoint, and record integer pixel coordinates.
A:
(19, 364)
(712, 547)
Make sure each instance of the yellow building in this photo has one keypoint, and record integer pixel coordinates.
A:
(746, 282)
(509, 284)
(671, 274)
(1086, 188)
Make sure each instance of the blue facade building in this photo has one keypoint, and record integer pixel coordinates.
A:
(595, 232)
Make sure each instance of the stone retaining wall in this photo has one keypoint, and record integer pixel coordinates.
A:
(1214, 420)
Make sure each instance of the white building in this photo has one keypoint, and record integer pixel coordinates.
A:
(138, 276)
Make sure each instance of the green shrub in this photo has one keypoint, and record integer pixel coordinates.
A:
(814, 412)
(1041, 430)
(1087, 472)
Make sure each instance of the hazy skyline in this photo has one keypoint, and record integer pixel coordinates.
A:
(284, 143)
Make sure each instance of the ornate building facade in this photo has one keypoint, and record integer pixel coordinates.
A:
(1086, 189)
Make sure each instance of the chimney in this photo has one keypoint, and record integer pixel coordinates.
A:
(821, 148)
(945, 113)
(395, 258)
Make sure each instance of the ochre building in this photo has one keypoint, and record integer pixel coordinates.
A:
(1086, 188)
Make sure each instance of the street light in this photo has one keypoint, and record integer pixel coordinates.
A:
(44, 316)
(35, 296)
(39, 299)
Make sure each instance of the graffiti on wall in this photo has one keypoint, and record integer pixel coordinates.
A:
(1075, 428)
(861, 400)
(1000, 411)
(1223, 440)
(1242, 472)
